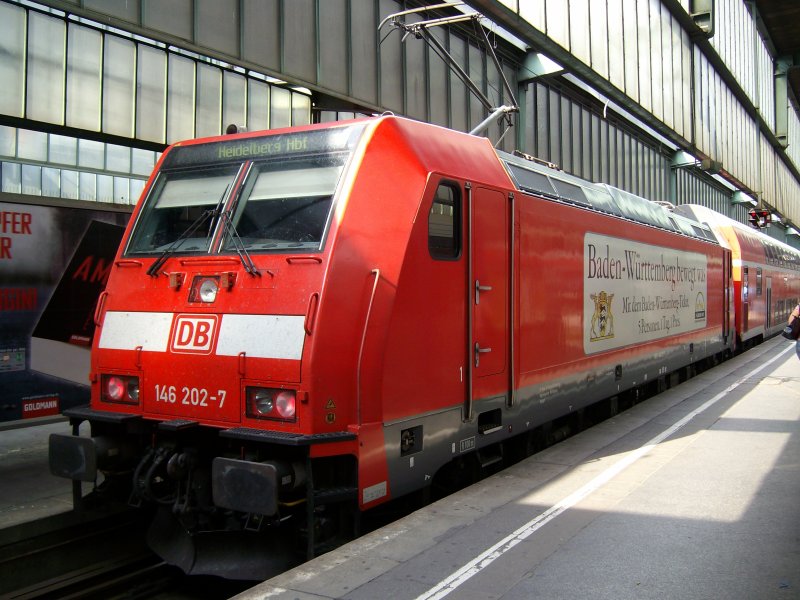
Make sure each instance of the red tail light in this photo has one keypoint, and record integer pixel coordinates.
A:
(285, 404)
(269, 403)
(119, 388)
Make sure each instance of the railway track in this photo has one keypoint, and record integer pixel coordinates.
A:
(75, 554)
(98, 554)
(131, 577)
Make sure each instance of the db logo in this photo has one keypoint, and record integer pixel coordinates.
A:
(194, 333)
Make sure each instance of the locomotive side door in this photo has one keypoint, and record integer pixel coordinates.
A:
(488, 294)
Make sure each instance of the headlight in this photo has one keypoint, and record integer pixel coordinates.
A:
(204, 289)
(208, 290)
(270, 403)
(262, 402)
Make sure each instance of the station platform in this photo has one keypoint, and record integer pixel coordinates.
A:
(28, 491)
(694, 493)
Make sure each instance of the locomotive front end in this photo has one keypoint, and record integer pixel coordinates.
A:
(200, 370)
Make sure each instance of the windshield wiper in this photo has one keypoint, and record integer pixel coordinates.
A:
(194, 226)
(238, 245)
(154, 268)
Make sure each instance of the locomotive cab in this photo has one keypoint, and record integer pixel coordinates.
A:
(260, 328)
(201, 367)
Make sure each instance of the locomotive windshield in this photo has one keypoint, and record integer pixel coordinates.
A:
(262, 194)
(285, 206)
(180, 213)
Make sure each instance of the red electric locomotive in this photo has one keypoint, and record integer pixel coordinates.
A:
(304, 323)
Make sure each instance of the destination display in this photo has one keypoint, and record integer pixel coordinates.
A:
(261, 147)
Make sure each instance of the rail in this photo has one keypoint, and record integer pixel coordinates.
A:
(72, 551)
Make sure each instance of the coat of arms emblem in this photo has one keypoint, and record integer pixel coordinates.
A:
(602, 319)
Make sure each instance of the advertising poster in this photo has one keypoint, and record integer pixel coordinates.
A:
(636, 293)
(54, 262)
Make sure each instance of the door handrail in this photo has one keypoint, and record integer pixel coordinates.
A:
(511, 302)
(377, 274)
(467, 416)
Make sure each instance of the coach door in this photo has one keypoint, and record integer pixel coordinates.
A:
(727, 293)
(768, 306)
(488, 294)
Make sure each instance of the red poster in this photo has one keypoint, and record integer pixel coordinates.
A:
(40, 406)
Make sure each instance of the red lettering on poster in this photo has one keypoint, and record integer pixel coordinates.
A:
(91, 272)
(15, 223)
(18, 299)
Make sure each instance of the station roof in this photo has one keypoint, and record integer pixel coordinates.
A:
(781, 20)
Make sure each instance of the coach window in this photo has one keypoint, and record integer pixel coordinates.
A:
(745, 283)
(758, 281)
(444, 223)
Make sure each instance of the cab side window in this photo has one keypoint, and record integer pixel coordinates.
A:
(444, 223)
